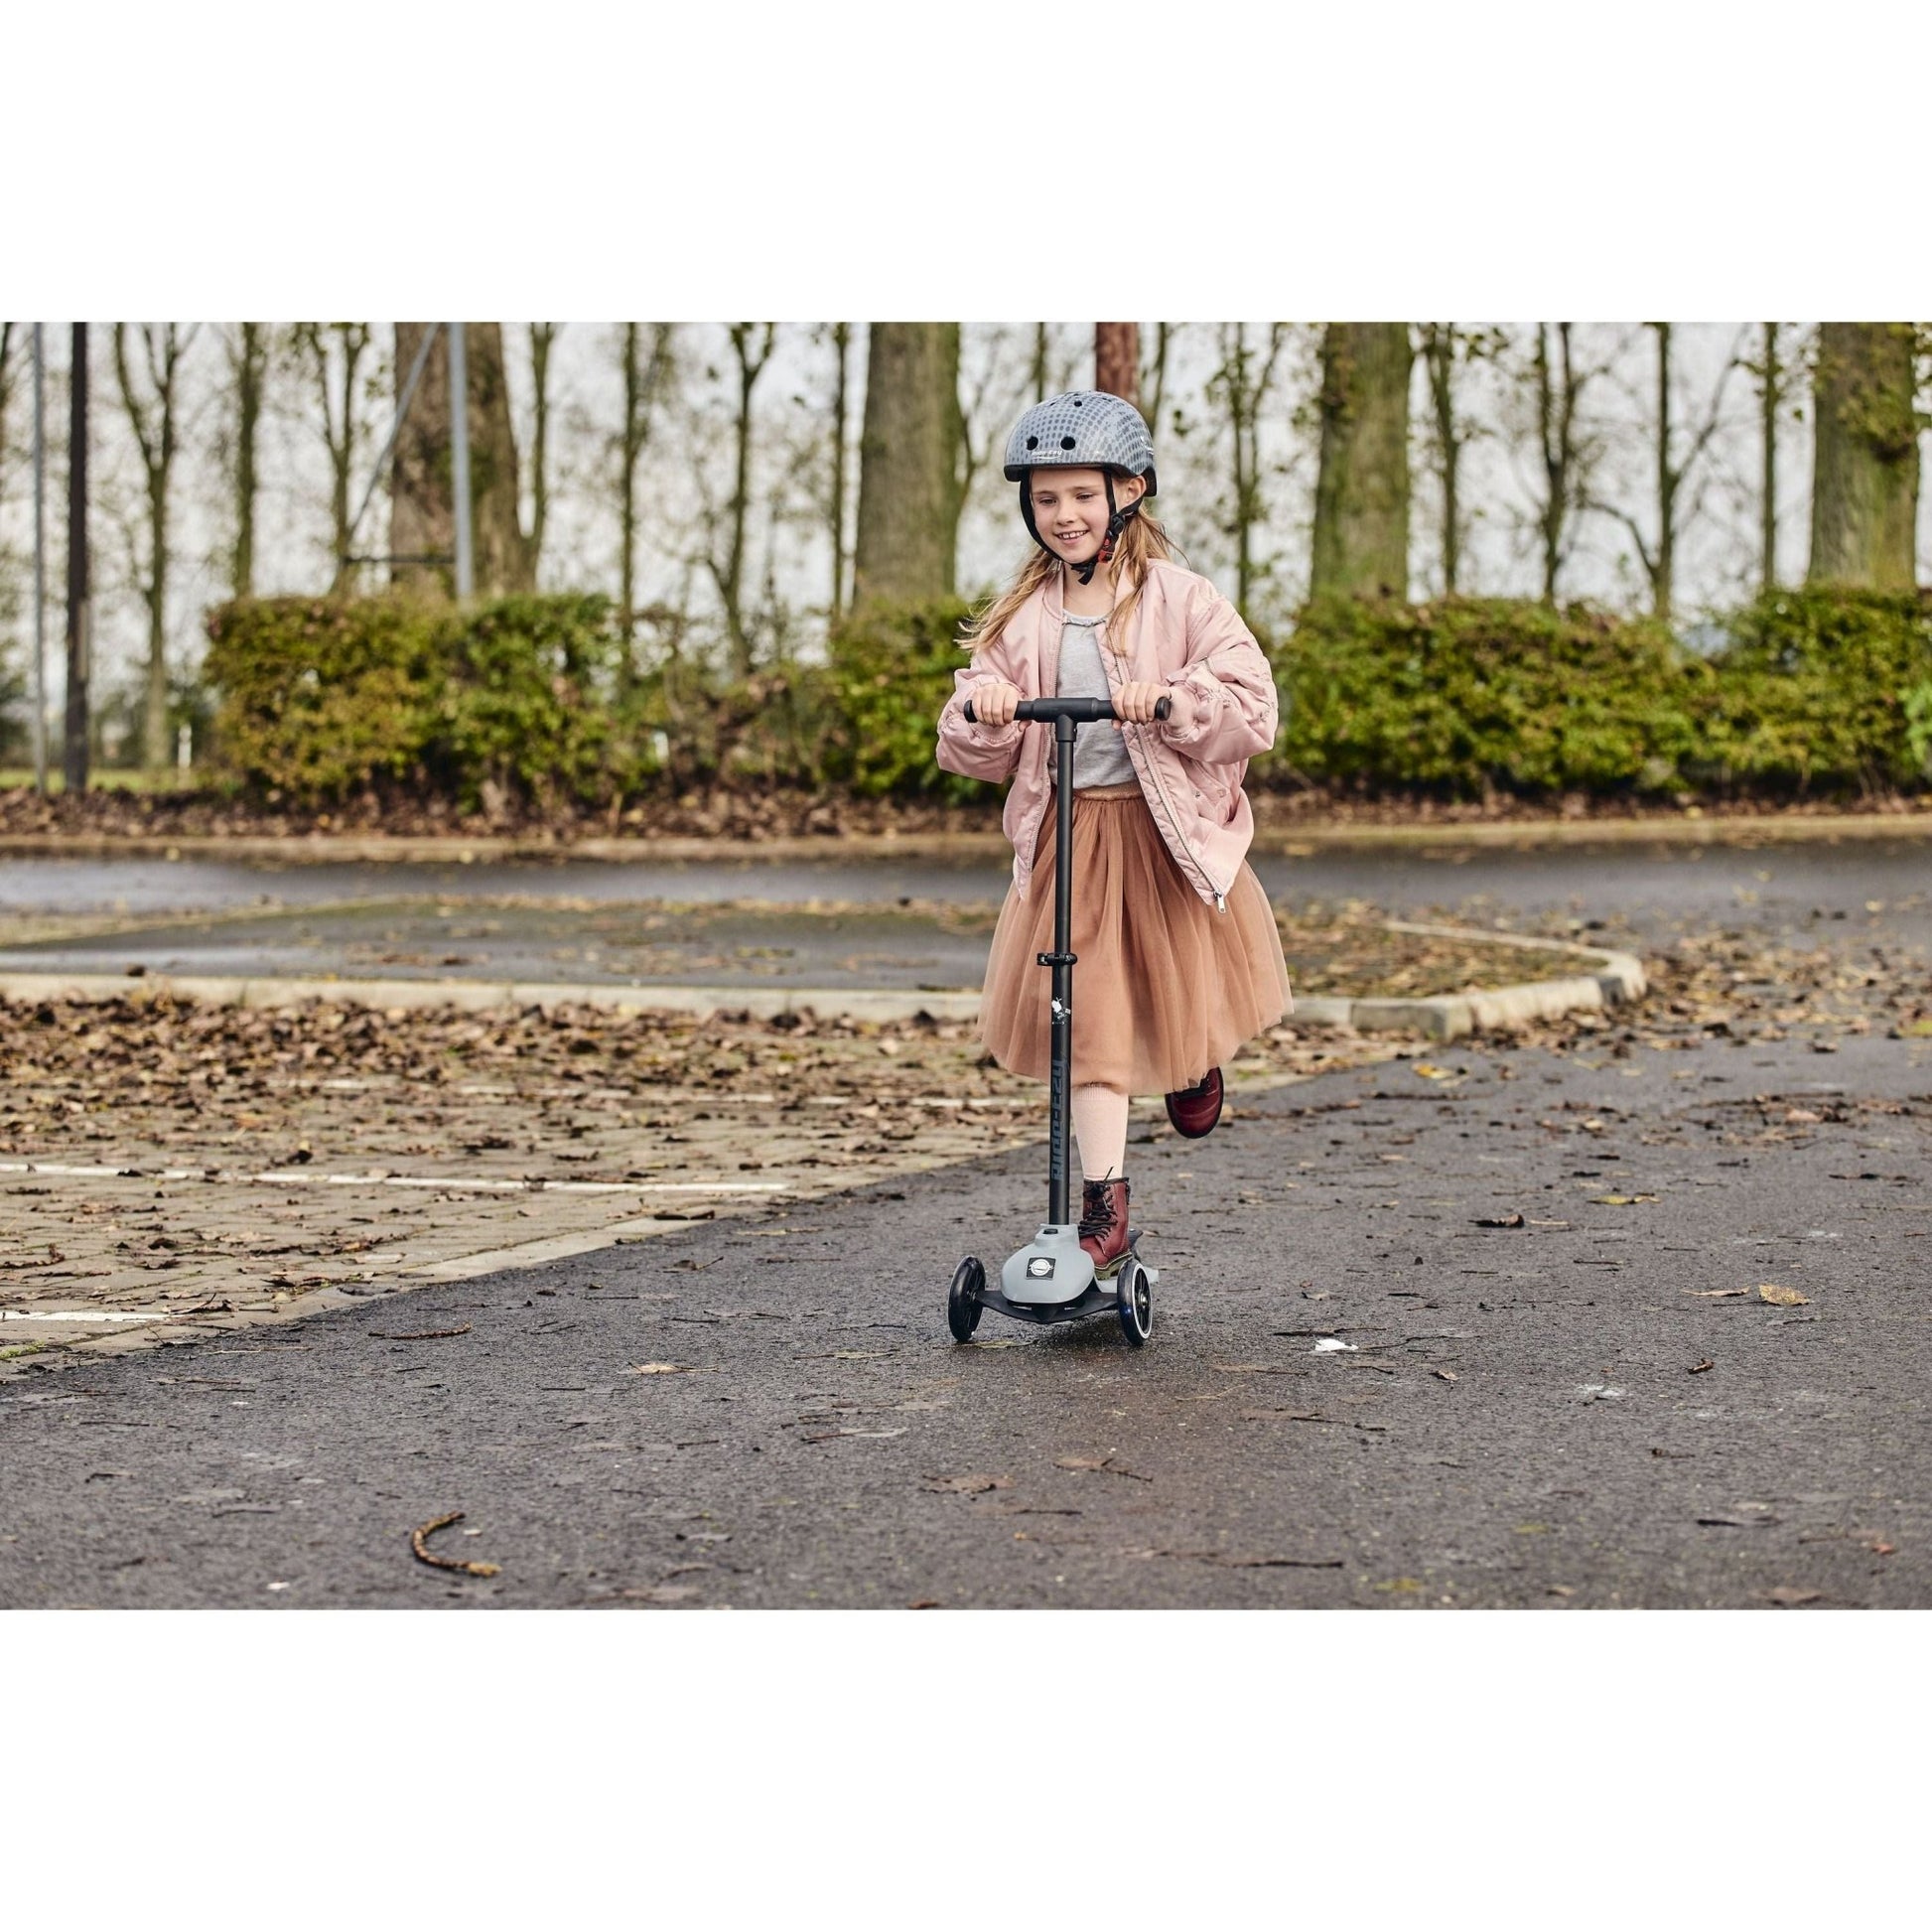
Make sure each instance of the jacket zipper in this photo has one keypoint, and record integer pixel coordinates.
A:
(1174, 827)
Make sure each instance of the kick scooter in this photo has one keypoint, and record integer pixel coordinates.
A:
(1051, 1279)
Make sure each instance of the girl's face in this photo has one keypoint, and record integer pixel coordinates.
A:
(1071, 508)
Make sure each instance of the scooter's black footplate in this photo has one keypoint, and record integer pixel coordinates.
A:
(1097, 1299)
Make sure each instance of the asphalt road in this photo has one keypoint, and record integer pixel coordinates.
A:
(309, 919)
(1582, 1410)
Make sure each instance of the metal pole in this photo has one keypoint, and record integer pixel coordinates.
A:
(466, 567)
(40, 559)
(79, 624)
(1060, 959)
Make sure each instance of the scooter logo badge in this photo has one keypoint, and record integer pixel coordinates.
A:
(1041, 1267)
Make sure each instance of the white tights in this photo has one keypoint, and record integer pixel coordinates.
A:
(1100, 1126)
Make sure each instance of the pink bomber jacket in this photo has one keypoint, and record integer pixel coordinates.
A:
(1184, 633)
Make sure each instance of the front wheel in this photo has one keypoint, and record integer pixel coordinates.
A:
(1133, 1299)
(963, 1303)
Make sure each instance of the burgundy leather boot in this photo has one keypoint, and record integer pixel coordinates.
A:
(1195, 1110)
(1103, 1224)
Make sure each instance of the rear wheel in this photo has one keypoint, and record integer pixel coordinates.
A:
(1133, 1299)
(963, 1303)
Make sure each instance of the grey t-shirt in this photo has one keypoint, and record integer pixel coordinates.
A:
(1099, 751)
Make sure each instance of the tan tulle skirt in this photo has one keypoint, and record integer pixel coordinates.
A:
(1167, 986)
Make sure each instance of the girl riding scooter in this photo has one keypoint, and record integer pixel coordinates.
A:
(1179, 959)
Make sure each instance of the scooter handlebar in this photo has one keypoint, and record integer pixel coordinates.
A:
(1084, 711)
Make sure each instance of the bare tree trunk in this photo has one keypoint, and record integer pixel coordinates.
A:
(729, 574)
(249, 364)
(311, 344)
(542, 336)
(640, 388)
(1154, 378)
(841, 411)
(1439, 356)
(155, 421)
(422, 514)
(1770, 398)
(1116, 360)
(1866, 480)
(1040, 361)
(909, 454)
(1663, 567)
(1361, 491)
(1557, 389)
(1241, 384)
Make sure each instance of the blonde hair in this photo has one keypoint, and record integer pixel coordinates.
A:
(1141, 541)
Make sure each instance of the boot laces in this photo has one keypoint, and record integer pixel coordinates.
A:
(1097, 1209)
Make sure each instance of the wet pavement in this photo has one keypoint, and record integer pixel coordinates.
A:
(1508, 1328)
(880, 923)
(1638, 1318)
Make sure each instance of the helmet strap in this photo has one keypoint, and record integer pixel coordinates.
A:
(1116, 523)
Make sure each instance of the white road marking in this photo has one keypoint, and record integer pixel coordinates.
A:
(89, 1314)
(468, 1184)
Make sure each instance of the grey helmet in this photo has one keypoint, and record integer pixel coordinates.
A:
(1085, 428)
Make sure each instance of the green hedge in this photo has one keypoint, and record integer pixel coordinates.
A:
(1473, 694)
(1821, 691)
(891, 672)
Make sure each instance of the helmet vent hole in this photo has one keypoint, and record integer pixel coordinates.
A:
(1032, 441)
(1066, 441)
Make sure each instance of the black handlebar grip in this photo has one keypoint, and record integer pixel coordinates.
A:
(1162, 709)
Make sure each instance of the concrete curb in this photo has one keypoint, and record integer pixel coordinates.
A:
(1276, 840)
(1618, 977)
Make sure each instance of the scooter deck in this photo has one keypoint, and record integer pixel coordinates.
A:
(1100, 1297)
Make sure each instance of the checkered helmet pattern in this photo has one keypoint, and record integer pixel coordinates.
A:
(1084, 429)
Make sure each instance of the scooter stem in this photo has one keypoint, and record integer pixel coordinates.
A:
(1061, 961)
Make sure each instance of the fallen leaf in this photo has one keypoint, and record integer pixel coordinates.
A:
(1329, 1345)
(1104, 1463)
(1781, 1297)
(924, 1604)
(1429, 1072)
(1717, 1294)
(1446, 1374)
(1881, 1549)
(1800, 1117)
(658, 1369)
(1560, 1589)
(1621, 1200)
(1703, 1367)
(1787, 1596)
(1500, 1220)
